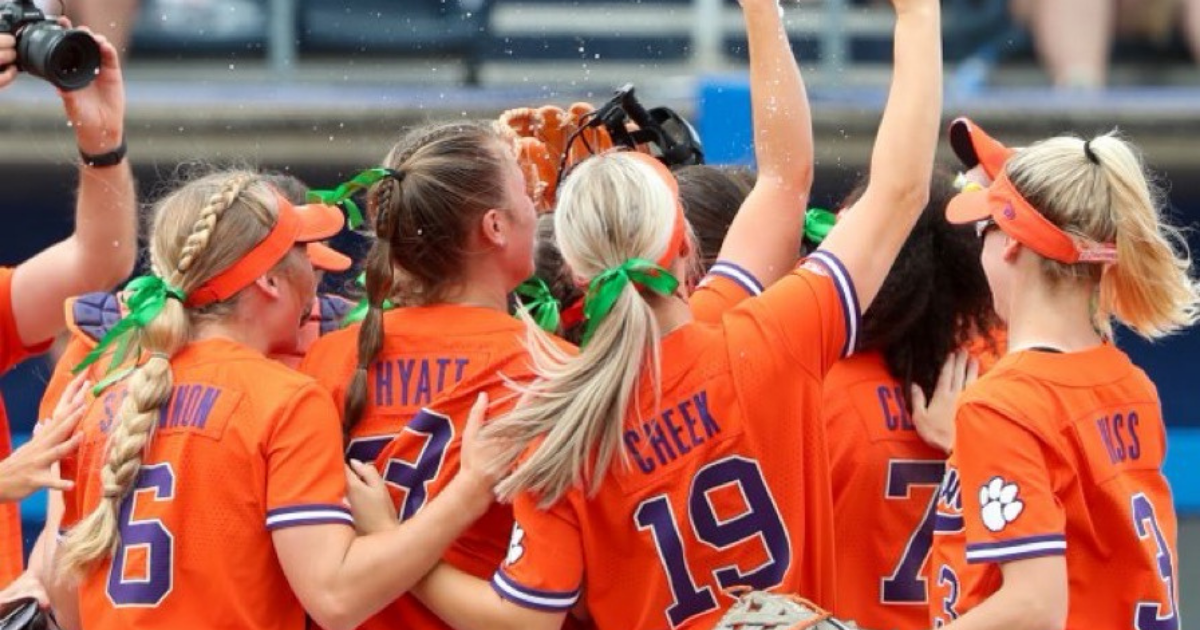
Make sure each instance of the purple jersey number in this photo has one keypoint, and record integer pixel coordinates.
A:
(906, 585)
(1150, 615)
(155, 483)
(760, 522)
(415, 476)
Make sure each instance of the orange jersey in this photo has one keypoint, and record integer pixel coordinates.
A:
(885, 479)
(434, 362)
(727, 481)
(12, 352)
(1060, 454)
(724, 287)
(245, 446)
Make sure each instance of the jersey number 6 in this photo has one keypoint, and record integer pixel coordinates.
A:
(760, 521)
(148, 583)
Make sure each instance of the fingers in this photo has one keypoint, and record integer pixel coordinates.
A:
(476, 417)
(972, 373)
(60, 451)
(366, 473)
(946, 376)
(77, 388)
(7, 55)
(918, 399)
(960, 371)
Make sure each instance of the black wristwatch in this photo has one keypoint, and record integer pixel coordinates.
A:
(112, 158)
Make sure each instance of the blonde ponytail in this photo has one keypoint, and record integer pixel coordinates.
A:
(149, 386)
(1100, 190)
(611, 209)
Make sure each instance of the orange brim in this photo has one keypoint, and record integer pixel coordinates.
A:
(1021, 221)
(318, 222)
(974, 147)
(326, 258)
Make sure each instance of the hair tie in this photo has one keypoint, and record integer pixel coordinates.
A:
(341, 195)
(536, 299)
(606, 287)
(1091, 155)
(145, 298)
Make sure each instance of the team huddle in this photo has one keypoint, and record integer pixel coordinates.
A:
(595, 388)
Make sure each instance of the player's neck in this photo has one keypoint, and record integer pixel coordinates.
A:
(221, 330)
(671, 312)
(1051, 316)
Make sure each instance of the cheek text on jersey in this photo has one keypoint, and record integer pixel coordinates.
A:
(891, 403)
(1119, 434)
(672, 433)
(417, 379)
(189, 408)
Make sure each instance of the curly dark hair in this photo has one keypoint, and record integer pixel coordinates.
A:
(935, 298)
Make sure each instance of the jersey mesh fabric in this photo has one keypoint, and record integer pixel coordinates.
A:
(728, 478)
(884, 481)
(1061, 454)
(244, 447)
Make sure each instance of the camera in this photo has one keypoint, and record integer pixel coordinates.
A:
(66, 57)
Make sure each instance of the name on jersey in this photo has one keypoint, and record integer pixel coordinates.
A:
(190, 407)
(891, 403)
(1119, 434)
(674, 432)
(414, 382)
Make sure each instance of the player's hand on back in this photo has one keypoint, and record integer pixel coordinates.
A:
(935, 419)
(33, 466)
(370, 503)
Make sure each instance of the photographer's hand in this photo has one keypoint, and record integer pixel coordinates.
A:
(102, 250)
(97, 112)
(8, 57)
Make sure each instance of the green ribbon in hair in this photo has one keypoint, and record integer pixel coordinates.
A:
(145, 298)
(537, 300)
(341, 196)
(605, 288)
(359, 312)
(818, 222)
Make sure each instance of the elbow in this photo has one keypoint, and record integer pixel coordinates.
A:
(792, 179)
(334, 613)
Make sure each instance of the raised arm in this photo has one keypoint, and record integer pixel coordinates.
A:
(869, 235)
(102, 250)
(764, 237)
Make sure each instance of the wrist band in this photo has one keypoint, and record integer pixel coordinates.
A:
(112, 158)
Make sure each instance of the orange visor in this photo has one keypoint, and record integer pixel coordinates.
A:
(680, 227)
(1021, 221)
(303, 224)
(974, 147)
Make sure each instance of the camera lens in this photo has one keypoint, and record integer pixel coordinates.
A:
(67, 58)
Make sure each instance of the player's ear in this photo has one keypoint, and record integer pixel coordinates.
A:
(270, 283)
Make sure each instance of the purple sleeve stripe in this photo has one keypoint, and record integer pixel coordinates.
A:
(738, 274)
(1016, 542)
(550, 601)
(307, 507)
(315, 520)
(849, 297)
(997, 558)
(1017, 551)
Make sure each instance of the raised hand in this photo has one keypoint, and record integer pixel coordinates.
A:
(97, 112)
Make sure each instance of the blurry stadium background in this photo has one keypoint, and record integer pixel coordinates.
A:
(321, 88)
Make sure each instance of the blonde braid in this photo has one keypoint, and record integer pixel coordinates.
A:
(149, 388)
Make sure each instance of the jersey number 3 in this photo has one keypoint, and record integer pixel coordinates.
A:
(760, 521)
(141, 573)
(1150, 615)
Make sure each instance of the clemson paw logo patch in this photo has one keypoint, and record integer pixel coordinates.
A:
(999, 503)
(515, 548)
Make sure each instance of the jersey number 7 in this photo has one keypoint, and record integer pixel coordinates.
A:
(906, 585)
